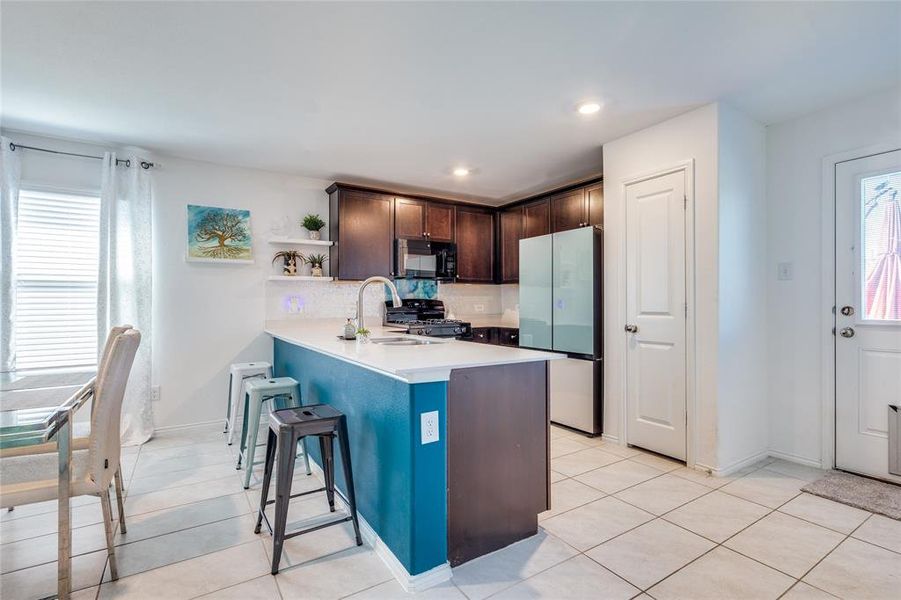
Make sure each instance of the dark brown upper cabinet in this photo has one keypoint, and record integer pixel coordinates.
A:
(536, 218)
(422, 220)
(439, 222)
(475, 245)
(511, 229)
(361, 225)
(409, 219)
(594, 197)
(568, 210)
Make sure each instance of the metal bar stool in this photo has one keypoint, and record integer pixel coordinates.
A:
(286, 427)
(238, 374)
(278, 390)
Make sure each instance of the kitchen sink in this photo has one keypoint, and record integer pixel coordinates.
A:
(403, 341)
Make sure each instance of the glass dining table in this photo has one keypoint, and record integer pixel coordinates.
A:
(38, 409)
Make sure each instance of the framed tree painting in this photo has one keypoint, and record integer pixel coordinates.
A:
(219, 235)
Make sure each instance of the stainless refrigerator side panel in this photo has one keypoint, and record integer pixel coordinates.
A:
(535, 292)
(575, 395)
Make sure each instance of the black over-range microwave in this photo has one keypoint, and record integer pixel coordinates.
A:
(422, 259)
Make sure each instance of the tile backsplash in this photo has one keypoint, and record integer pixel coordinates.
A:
(337, 299)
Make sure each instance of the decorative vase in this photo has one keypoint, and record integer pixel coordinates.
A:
(317, 271)
(290, 267)
(315, 235)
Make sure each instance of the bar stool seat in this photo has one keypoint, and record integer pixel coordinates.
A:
(238, 374)
(280, 392)
(286, 427)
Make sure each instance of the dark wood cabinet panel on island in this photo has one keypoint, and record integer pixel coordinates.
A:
(511, 223)
(361, 225)
(536, 218)
(475, 245)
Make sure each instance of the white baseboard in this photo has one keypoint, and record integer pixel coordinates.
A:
(737, 465)
(410, 583)
(610, 438)
(809, 462)
(220, 422)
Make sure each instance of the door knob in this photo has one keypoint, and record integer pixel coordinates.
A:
(847, 310)
(632, 328)
(846, 332)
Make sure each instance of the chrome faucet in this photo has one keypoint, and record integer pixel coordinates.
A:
(395, 298)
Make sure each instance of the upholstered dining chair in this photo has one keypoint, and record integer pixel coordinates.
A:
(31, 478)
(82, 430)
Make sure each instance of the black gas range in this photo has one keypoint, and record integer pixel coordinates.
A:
(420, 316)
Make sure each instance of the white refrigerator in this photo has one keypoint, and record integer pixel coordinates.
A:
(560, 293)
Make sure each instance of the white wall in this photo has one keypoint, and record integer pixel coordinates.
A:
(795, 152)
(691, 136)
(207, 316)
(742, 410)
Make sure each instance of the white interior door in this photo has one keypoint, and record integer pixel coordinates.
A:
(656, 307)
(868, 310)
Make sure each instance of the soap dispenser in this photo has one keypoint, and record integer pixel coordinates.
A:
(350, 330)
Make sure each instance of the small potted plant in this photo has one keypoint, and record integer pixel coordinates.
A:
(313, 223)
(363, 335)
(291, 260)
(316, 261)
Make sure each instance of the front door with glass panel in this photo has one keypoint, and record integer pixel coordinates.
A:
(867, 310)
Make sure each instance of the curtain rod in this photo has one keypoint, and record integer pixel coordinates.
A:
(13, 146)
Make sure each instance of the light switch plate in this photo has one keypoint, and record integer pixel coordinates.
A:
(429, 426)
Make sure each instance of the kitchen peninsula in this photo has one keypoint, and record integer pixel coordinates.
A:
(432, 501)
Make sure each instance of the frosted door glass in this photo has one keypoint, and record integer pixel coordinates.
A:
(573, 291)
(535, 294)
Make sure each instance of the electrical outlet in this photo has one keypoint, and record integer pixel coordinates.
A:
(784, 271)
(479, 308)
(155, 393)
(429, 426)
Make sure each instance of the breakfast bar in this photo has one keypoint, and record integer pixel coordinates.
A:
(449, 439)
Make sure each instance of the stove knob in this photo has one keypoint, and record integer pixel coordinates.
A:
(428, 330)
(421, 332)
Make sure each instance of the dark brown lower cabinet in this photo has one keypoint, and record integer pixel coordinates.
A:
(497, 457)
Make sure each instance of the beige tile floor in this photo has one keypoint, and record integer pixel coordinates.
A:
(624, 524)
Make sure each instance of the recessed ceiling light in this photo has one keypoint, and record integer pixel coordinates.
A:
(461, 171)
(589, 108)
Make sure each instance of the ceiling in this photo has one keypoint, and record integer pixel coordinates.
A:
(402, 93)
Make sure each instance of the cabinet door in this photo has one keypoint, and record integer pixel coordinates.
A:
(568, 210)
(594, 198)
(409, 219)
(440, 222)
(365, 240)
(511, 233)
(475, 245)
(536, 219)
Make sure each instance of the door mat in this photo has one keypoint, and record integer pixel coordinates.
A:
(859, 492)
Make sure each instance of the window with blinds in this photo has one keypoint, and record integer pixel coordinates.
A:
(57, 254)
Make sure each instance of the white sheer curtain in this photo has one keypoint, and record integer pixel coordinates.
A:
(10, 170)
(124, 283)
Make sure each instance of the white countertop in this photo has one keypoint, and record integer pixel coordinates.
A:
(411, 364)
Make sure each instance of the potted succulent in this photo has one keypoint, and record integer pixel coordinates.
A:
(363, 335)
(316, 261)
(291, 258)
(313, 223)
